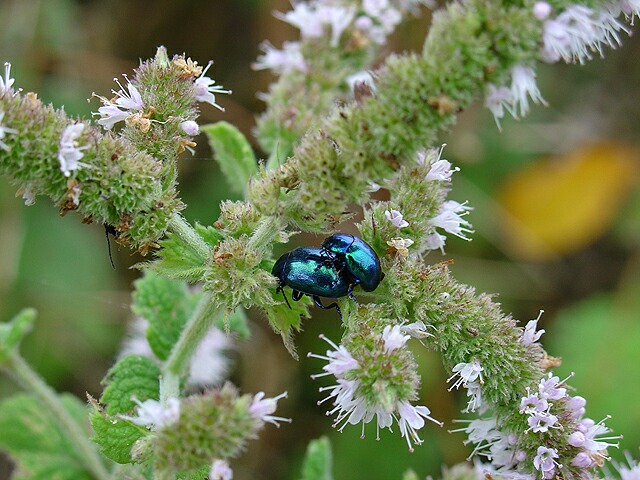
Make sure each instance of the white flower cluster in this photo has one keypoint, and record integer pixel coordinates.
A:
(349, 403)
(573, 35)
(515, 98)
(374, 20)
(509, 461)
(585, 435)
(579, 31)
(128, 105)
(449, 218)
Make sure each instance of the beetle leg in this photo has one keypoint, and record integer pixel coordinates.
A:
(316, 300)
(296, 295)
(351, 295)
(284, 295)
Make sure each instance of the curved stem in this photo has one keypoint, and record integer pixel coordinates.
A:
(185, 232)
(24, 375)
(194, 331)
(268, 228)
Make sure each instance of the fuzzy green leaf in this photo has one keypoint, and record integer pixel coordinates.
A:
(134, 376)
(285, 320)
(178, 260)
(12, 332)
(115, 436)
(233, 153)
(318, 461)
(36, 444)
(166, 304)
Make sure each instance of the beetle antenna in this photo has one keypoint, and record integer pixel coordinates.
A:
(109, 229)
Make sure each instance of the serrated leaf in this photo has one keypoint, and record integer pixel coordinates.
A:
(134, 376)
(166, 304)
(318, 461)
(233, 153)
(176, 260)
(285, 320)
(34, 441)
(115, 437)
(209, 234)
(12, 332)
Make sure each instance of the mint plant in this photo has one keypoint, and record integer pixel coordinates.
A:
(335, 131)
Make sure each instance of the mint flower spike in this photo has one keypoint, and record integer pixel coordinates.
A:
(355, 400)
(205, 88)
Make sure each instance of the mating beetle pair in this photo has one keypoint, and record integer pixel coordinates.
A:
(331, 271)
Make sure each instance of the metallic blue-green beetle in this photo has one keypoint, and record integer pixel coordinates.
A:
(356, 257)
(311, 271)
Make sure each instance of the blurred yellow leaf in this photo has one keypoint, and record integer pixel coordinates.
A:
(559, 205)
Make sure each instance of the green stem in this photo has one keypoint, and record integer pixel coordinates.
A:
(268, 228)
(24, 375)
(206, 311)
(185, 232)
(194, 331)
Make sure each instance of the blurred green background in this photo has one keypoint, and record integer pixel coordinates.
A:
(557, 221)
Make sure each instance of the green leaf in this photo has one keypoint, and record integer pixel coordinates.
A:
(134, 376)
(285, 320)
(115, 437)
(178, 260)
(318, 461)
(233, 153)
(12, 332)
(34, 441)
(166, 304)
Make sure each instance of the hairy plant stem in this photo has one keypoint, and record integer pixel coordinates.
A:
(207, 309)
(194, 331)
(263, 236)
(185, 232)
(25, 376)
